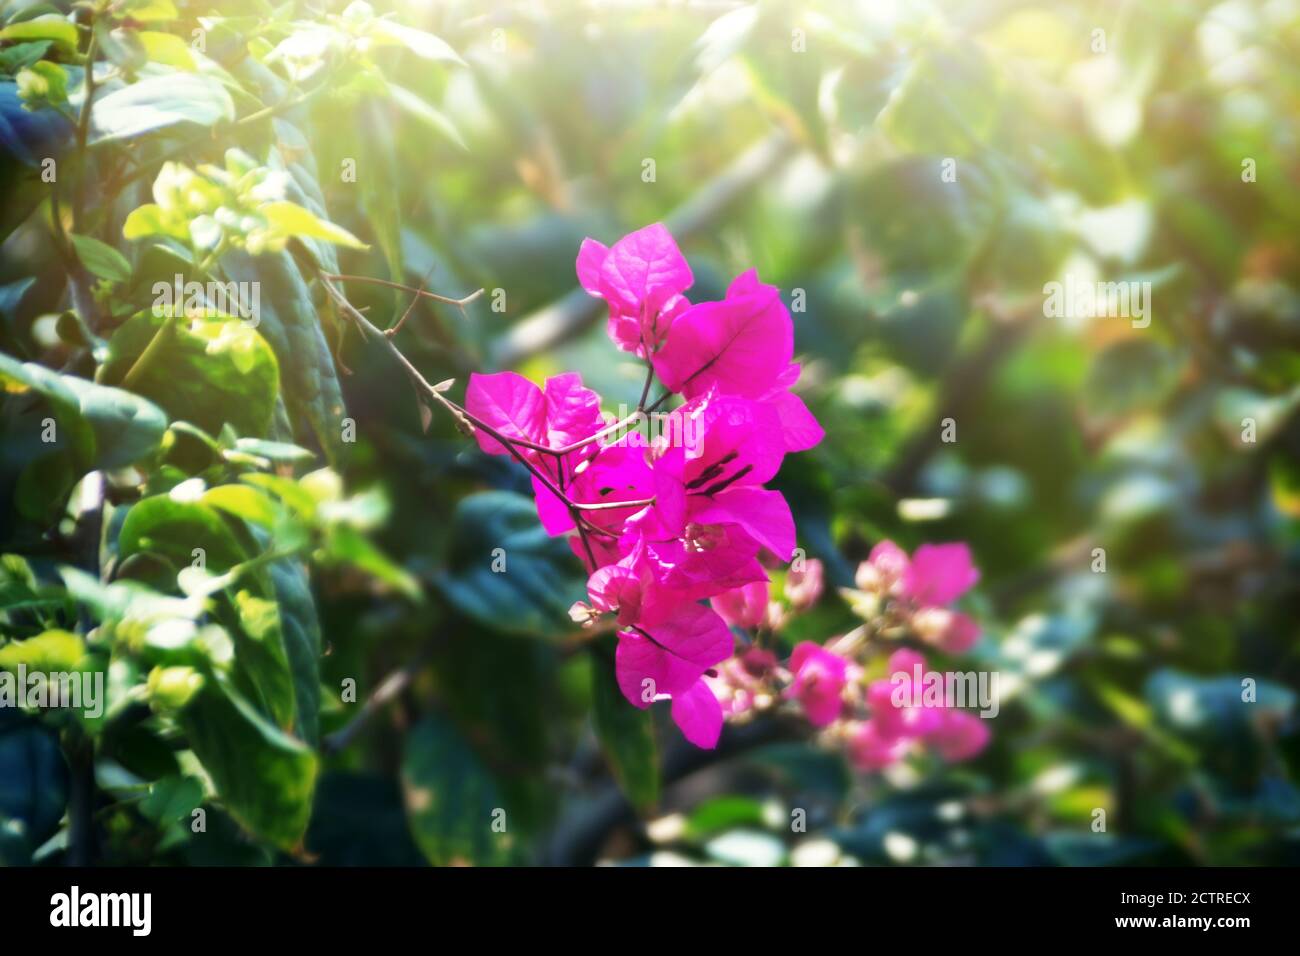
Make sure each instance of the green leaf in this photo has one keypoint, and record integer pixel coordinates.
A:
(157, 102)
(535, 583)
(626, 736)
(51, 652)
(101, 259)
(273, 450)
(52, 26)
(207, 371)
(452, 801)
(947, 104)
(300, 632)
(417, 106)
(172, 528)
(244, 501)
(422, 44)
(345, 545)
(150, 220)
(288, 321)
(290, 219)
(167, 50)
(20, 55)
(150, 11)
(95, 427)
(172, 798)
(264, 777)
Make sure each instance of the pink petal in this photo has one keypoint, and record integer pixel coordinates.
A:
(889, 559)
(591, 257)
(959, 736)
(738, 441)
(572, 410)
(939, 574)
(645, 270)
(820, 676)
(763, 515)
(961, 635)
(799, 428)
(803, 588)
(509, 403)
(744, 606)
(870, 749)
(742, 344)
(714, 560)
(699, 715)
(673, 657)
(551, 511)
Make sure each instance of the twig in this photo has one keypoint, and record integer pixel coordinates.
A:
(389, 284)
(388, 688)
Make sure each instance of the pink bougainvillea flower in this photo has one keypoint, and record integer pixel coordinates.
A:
(744, 606)
(670, 657)
(803, 586)
(618, 472)
(897, 702)
(742, 344)
(741, 679)
(799, 429)
(572, 411)
(870, 749)
(698, 713)
(564, 413)
(819, 679)
(641, 277)
(884, 568)
(959, 735)
(619, 588)
(939, 574)
(947, 630)
(707, 559)
(509, 403)
(763, 515)
(737, 441)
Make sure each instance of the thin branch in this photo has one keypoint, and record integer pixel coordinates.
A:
(388, 688)
(389, 284)
(609, 505)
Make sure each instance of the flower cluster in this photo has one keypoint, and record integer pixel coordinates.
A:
(664, 522)
(877, 719)
(668, 520)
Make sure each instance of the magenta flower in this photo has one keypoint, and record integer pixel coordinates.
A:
(819, 679)
(950, 631)
(668, 660)
(641, 277)
(661, 526)
(870, 749)
(884, 568)
(939, 574)
(803, 588)
(959, 735)
(745, 606)
(698, 714)
(742, 344)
